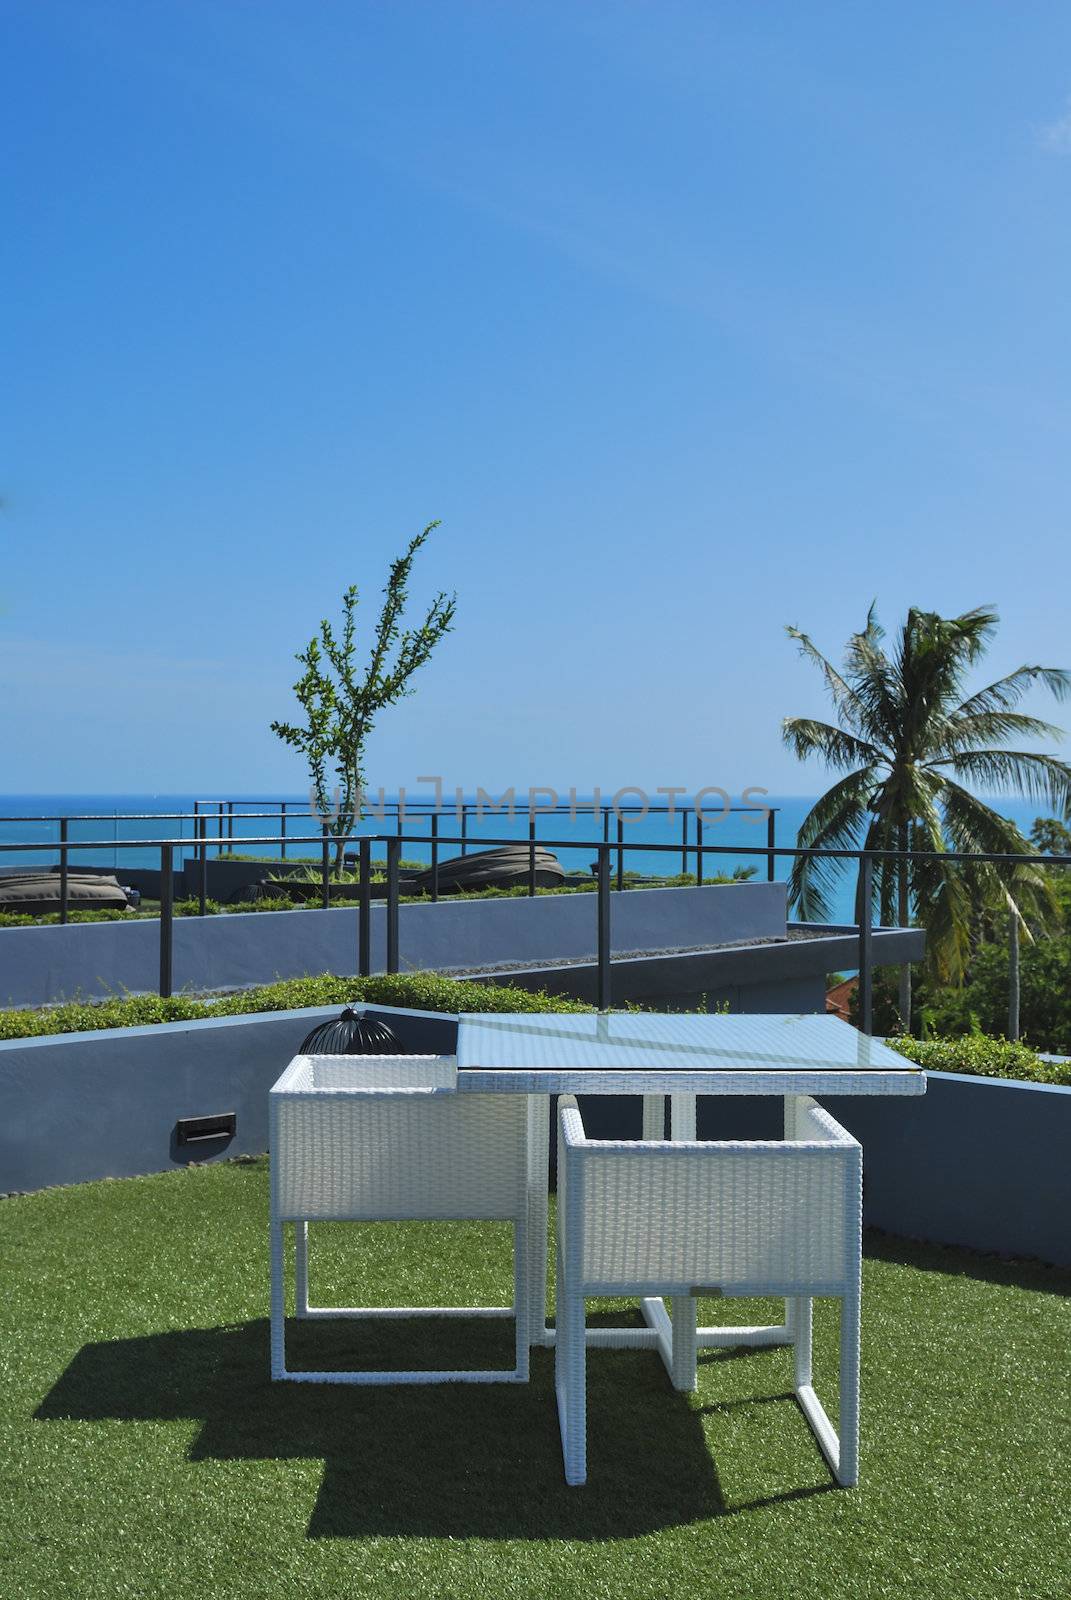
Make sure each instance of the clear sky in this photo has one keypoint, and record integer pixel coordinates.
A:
(689, 321)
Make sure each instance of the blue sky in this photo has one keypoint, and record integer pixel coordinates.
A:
(689, 321)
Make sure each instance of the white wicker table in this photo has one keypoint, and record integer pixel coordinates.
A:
(680, 1056)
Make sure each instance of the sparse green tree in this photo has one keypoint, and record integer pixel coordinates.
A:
(1051, 837)
(341, 703)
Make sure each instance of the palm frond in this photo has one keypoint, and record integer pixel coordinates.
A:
(967, 731)
(975, 630)
(1040, 777)
(933, 656)
(841, 692)
(975, 828)
(1007, 692)
(906, 799)
(808, 737)
(835, 822)
(940, 893)
(874, 681)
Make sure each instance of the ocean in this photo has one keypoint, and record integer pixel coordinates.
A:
(21, 822)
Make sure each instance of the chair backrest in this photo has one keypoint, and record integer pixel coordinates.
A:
(372, 1073)
(737, 1216)
(388, 1138)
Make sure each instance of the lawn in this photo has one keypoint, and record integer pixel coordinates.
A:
(143, 1451)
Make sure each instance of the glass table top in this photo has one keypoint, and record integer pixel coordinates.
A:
(646, 1042)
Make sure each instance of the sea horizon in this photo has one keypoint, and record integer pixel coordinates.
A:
(728, 841)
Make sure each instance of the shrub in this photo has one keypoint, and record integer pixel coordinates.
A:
(983, 1056)
(22, 919)
(423, 991)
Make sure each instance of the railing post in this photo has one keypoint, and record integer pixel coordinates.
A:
(230, 822)
(620, 851)
(364, 910)
(325, 869)
(531, 855)
(464, 828)
(219, 847)
(1013, 977)
(865, 989)
(282, 830)
(699, 852)
(202, 825)
(64, 886)
(771, 840)
(434, 856)
(394, 850)
(167, 926)
(603, 930)
(684, 842)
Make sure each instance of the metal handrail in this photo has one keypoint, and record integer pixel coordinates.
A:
(605, 851)
(424, 809)
(646, 845)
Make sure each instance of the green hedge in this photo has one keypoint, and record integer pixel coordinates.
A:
(983, 1056)
(977, 1054)
(191, 907)
(423, 991)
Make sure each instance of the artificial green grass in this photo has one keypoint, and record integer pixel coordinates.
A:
(143, 1451)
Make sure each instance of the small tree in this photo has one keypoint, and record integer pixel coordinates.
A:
(341, 705)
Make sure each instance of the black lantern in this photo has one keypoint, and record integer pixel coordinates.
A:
(351, 1035)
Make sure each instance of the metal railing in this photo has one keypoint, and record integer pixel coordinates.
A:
(604, 878)
(224, 815)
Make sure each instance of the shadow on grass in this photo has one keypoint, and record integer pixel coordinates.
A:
(955, 1260)
(456, 1461)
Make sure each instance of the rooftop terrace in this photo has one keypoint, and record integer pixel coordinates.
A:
(145, 1452)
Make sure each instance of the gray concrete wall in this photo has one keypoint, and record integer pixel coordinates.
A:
(785, 976)
(981, 1162)
(976, 1161)
(104, 1105)
(40, 965)
(683, 983)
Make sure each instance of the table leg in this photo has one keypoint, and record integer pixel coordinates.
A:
(682, 1121)
(792, 1304)
(654, 1116)
(538, 1205)
(682, 1117)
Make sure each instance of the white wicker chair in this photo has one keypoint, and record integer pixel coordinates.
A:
(730, 1218)
(388, 1138)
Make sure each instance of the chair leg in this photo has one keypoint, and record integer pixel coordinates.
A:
(801, 1322)
(684, 1373)
(841, 1453)
(570, 1378)
(538, 1207)
(278, 1304)
(301, 1268)
(522, 1306)
(848, 1461)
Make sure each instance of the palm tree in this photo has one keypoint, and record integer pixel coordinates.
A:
(907, 740)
